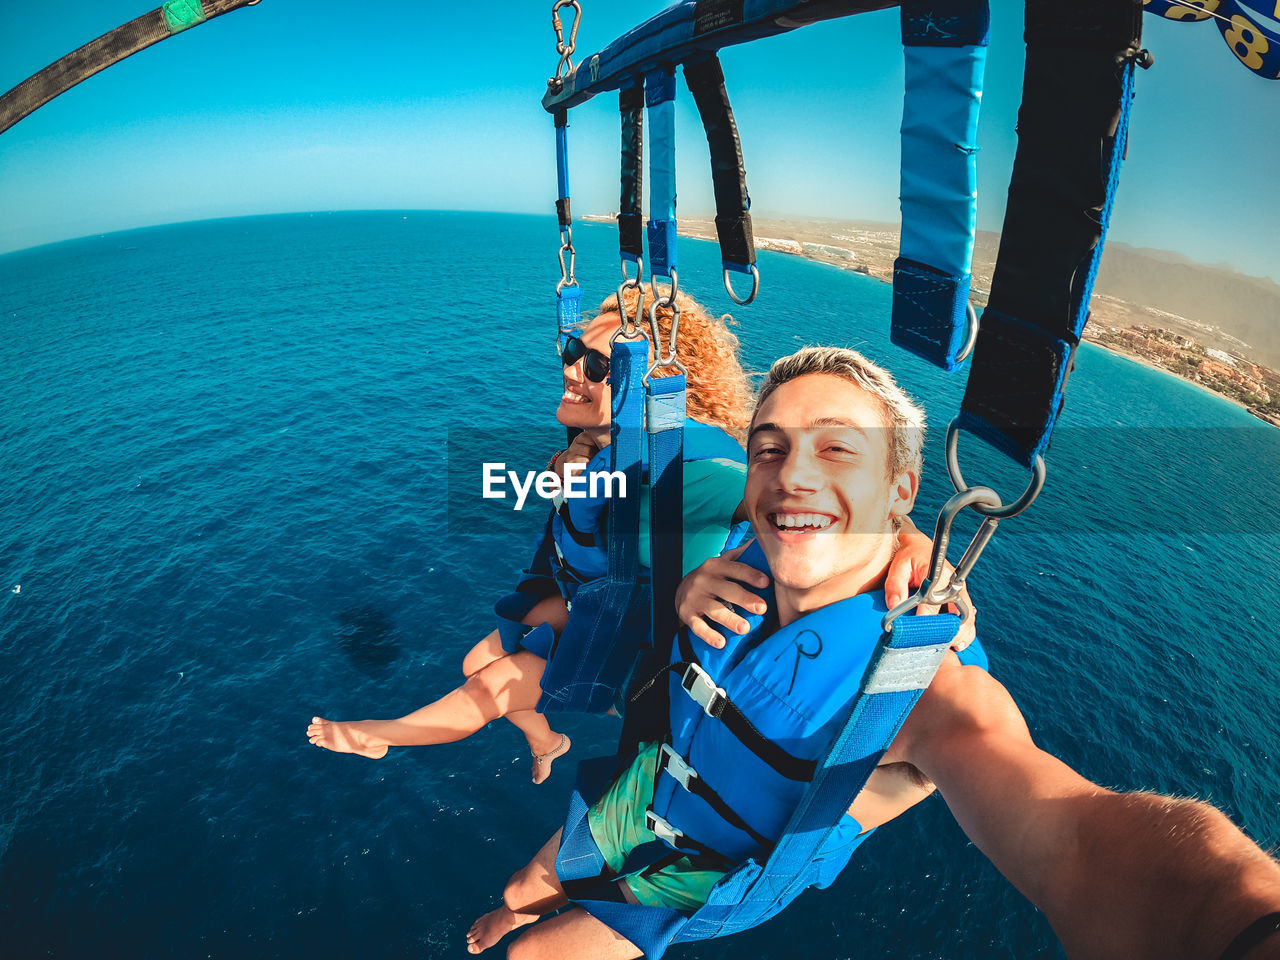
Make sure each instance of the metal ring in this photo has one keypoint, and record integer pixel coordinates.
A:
(755, 286)
(972, 340)
(957, 479)
(669, 296)
(627, 279)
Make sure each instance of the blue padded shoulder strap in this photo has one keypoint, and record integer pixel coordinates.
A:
(946, 50)
(908, 659)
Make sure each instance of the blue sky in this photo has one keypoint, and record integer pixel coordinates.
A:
(298, 105)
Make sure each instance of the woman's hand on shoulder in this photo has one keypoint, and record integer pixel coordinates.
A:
(907, 570)
(705, 595)
(581, 450)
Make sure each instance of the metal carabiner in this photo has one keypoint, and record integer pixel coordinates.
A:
(933, 590)
(569, 274)
(1028, 497)
(664, 354)
(565, 49)
(630, 328)
(755, 286)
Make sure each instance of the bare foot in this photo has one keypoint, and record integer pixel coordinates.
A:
(345, 737)
(542, 761)
(495, 925)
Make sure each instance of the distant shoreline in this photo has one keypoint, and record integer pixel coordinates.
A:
(873, 257)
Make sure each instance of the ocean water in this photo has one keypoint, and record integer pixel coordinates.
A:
(225, 507)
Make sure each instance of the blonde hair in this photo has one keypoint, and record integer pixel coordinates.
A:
(720, 391)
(903, 417)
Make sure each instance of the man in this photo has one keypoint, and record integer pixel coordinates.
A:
(833, 464)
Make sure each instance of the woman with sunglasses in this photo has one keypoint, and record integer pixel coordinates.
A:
(504, 670)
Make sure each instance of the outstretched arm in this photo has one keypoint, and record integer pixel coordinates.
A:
(1117, 874)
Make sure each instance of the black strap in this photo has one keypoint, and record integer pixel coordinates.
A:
(782, 762)
(96, 55)
(581, 538)
(1252, 935)
(699, 787)
(1073, 105)
(726, 711)
(728, 175)
(630, 204)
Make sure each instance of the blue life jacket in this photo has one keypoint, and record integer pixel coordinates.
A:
(612, 619)
(578, 527)
(751, 725)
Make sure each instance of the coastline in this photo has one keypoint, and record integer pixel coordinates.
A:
(872, 248)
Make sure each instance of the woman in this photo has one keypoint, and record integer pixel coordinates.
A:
(504, 680)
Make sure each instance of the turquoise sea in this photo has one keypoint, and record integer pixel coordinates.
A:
(227, 505)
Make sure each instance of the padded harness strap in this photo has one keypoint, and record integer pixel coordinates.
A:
(728, 175)
(630, 203)
(1072, 131)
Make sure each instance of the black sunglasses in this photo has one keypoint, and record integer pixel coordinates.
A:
(597, 366)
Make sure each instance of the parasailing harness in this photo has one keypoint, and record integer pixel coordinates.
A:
(1078, 87)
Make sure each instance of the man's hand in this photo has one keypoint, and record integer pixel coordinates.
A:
(907, 570)
(703, 597)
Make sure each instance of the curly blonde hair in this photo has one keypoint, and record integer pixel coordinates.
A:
(720, 391)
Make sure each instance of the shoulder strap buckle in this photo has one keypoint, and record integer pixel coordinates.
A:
(676, 767)
(661, 828)
(703, 690)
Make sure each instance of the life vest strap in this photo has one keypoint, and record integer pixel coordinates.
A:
(679, 770)
(686, 845)
(697, 683)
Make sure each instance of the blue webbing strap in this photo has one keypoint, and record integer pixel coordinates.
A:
(908, 659)
(659, 97)
(749, 894)
(627, 363)
(1072, 132)
(595, 653)
(568, 310)
(945, 42)
(665, 414)
(568, 294)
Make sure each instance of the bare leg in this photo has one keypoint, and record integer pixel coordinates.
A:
(497, 685)
(573, 935)
(503, 687)
(550, 610)
(532, 891)
(544, 744)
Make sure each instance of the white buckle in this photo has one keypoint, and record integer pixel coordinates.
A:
(701, 688)
(675, 766)
(661, 828)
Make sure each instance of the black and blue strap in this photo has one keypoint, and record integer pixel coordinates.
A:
(1072, 132)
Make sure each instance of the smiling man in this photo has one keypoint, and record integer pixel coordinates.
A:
(833, 467)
